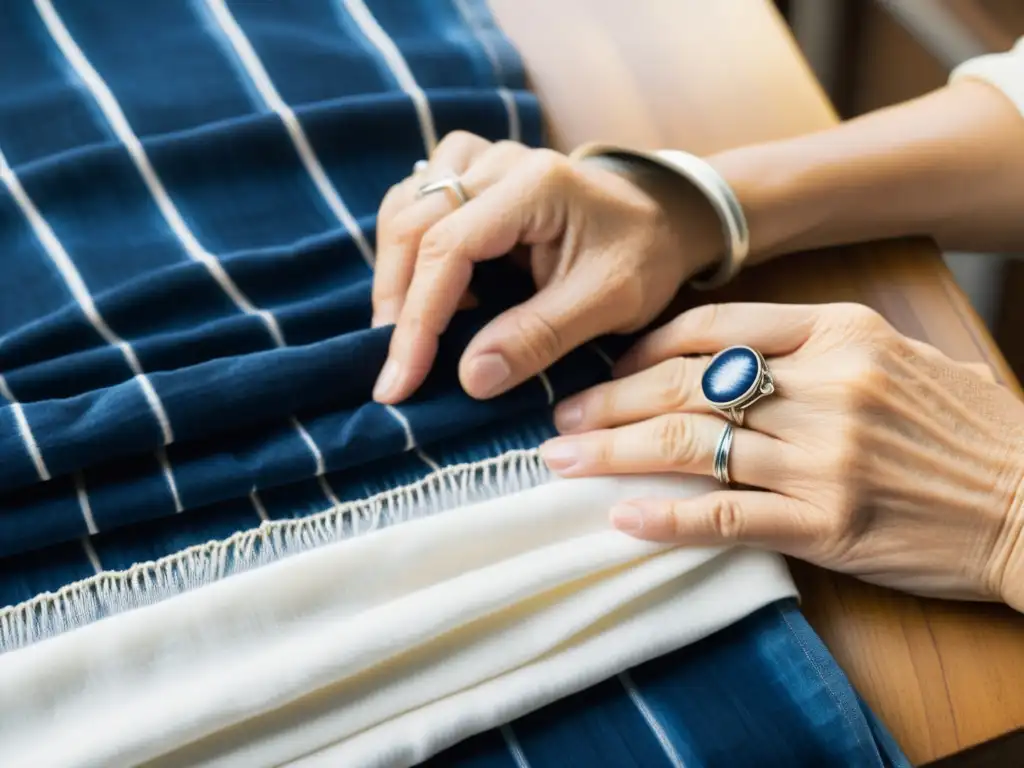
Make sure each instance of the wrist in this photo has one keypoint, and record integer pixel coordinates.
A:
(687, 214)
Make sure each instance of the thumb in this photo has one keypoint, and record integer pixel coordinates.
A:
(529, 338)
(724, 517)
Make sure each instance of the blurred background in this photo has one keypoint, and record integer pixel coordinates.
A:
(873, 53)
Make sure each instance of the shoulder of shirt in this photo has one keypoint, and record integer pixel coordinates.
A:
(1005, 71)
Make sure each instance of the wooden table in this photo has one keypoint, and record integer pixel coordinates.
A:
(703, 76)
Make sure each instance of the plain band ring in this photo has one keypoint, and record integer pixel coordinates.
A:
(722, 451)
(448, 183)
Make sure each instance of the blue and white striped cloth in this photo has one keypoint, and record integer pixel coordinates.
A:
(186, 234)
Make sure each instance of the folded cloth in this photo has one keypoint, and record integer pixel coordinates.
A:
(763, 692)
(384, 648)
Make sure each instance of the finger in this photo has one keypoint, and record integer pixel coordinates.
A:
(525, 205)
(530, 337)
(772, 329)
(758, 518)
(679, 443)
(404, 216)
(673, 386)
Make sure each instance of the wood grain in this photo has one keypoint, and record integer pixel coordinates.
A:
(704, 76)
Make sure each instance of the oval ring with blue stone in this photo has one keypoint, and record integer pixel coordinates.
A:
(734, 379)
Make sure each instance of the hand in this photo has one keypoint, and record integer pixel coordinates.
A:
(608, 252)
(877, 455)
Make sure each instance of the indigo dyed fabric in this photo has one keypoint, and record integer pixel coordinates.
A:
(186, 238)
(186, 222)
(762, 693)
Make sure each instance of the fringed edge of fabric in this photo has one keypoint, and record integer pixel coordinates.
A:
(112, 592)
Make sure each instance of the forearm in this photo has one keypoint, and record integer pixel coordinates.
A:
(949, 165)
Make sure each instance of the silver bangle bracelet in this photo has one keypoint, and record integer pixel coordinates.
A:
(716, 189)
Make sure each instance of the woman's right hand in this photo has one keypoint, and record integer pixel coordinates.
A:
(608, 252)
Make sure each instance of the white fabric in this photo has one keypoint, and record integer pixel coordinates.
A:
(1003, 70)
(383, 649)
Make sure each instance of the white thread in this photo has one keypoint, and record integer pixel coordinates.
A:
(399, 68)
(165, 467)
(30, 441)
(90, 552)
(652, 721)
(84, 505)
(257, 503)
(110, 592)
(547, 387)
(427, 460)
(514, 128)
(314, 449)
(328, 492)
(515, 749)
(258, 74)
(80, 293)
(119, 123)
(5, 390)
(602, 354)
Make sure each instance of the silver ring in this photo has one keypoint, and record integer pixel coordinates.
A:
(722, 450)
(449, 183)
(735, 379)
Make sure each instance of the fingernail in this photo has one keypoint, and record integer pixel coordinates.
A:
(628, 518)
(387, 380)
(568, 416)
(561, 455)
(487, 374)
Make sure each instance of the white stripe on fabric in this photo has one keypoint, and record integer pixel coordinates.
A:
(471, 20)
(515, 132)
(602, 354)
(90, 552)
(165, 467)
(375, 33)
(24, 429)
(258, 74)
(514, 747)
(119, 123)
(30, 441)
(652, 721)
(73, 280)
(83, 503)
(328, 492)
(257, 503)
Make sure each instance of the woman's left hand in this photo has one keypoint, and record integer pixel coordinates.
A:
(877, 455)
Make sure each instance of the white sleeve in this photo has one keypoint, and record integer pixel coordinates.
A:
(1003, 70)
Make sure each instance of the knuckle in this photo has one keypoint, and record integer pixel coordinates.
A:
(542, 342)
(726, 518)
(550, 166)
(674, 441)
(861, 317)
(677, 388)
(436, 244)
(456, 138)
(864, 381)
(701, 321)
(393, 201)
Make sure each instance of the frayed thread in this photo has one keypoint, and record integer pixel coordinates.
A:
(112, 592)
